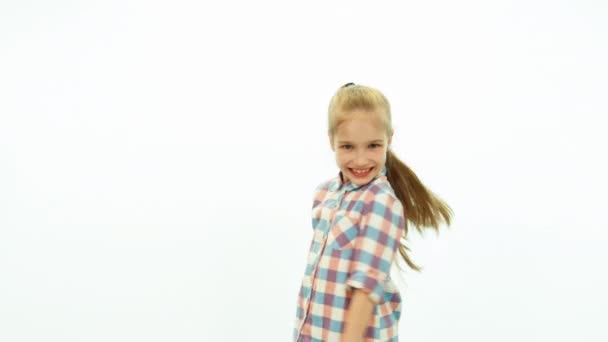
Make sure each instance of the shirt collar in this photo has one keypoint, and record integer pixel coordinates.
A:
(338, 183)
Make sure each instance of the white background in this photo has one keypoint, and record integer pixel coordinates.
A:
(158, 159)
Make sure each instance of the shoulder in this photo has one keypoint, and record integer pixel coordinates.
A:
(380, 197)
(325, 185)
(380, 188)
(322, 189)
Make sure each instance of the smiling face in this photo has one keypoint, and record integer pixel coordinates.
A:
(360, 144)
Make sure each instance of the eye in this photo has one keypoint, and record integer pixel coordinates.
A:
(346, 147)
(374, 145)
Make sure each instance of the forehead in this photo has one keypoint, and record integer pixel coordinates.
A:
(361, 127)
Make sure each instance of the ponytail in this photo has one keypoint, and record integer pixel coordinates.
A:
(421, 207)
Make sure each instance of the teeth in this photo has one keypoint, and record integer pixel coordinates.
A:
(361, 171)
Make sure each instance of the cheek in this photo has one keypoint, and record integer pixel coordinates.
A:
(381, 155)
(341, 158)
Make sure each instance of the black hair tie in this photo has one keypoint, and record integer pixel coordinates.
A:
(348, 85)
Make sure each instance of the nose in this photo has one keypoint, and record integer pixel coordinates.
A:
(361, 160)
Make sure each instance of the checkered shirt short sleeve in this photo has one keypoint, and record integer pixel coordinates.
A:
(356, 234)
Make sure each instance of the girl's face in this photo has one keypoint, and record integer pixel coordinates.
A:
(360, 144)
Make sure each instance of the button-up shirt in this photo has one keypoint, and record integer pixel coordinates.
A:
(357, 230)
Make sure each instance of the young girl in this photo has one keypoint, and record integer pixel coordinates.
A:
(359, 219)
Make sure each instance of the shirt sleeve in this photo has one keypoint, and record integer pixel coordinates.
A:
(381, 228)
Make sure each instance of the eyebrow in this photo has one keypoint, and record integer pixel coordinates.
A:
(373, 141)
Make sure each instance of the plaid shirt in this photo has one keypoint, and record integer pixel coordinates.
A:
(357, 230)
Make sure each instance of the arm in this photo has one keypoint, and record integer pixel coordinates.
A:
(381, 228)
(357, 317)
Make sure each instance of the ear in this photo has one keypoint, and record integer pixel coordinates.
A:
(390, 138)
(331, 142)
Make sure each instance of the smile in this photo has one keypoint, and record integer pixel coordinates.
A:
(361, 173)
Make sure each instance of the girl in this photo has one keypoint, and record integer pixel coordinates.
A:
(359, 219)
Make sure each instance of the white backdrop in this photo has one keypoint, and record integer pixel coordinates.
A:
(158, 159)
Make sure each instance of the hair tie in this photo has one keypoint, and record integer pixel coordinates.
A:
(348, 85)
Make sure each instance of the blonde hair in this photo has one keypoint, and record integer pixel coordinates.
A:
(421, 207)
